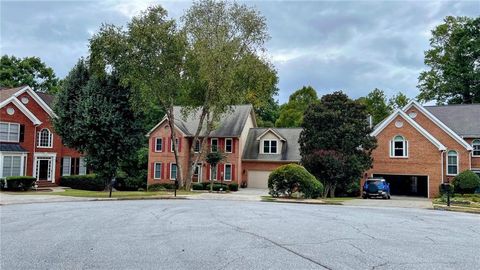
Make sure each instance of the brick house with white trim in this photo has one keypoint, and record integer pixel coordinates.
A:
(251, 152)
(420, 147)
(29, 145)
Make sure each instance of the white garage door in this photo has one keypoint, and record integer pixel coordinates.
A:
(258, 179)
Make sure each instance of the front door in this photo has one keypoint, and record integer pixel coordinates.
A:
(43, 168)
(197, 173)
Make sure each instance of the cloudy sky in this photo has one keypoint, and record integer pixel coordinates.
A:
(343, 45)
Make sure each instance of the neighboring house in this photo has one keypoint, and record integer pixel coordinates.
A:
(28, 143)
(251, 152)
(420, 147)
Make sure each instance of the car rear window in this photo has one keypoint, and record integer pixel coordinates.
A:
(376, 182)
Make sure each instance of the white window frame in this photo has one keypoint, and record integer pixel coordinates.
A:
(199, 176)
(8, 132)
(50, 138)
(156, 144)
(262, 147)
(476, 143)
(213, 177)
(195, 146)
(231, 145)
(225, 170)
(69, 167)
(404, 147)
(22, 163)
(176, 171)
(82, 167)
(211, 144)
(176, 143)
(155, 170)
(457, 165)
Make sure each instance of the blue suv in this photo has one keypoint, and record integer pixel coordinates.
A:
(376, 187)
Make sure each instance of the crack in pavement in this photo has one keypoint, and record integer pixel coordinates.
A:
(238, 229)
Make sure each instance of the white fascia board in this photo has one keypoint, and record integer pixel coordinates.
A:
(38, 99)
(439, 123)
(273, 131)
(159, 124)
(22, 108)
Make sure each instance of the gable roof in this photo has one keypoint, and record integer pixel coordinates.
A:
(22, 108)
(230, 125)
(439, 123)
(272, 130)
(463, 119)
(43, 99)
(290, 151)
(402, 114)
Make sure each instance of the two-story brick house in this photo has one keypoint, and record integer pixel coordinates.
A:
(28, 144)
(251, 152)
(420, 147)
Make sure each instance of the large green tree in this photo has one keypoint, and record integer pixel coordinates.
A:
(291, 113)
(398, 101)
(104, 125)
(224, 41)
(29, 71)
(376, 105)
(454, 61)
(335, 144)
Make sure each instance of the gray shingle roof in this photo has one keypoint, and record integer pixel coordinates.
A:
(463, 119)
(290, 149)
(230, 125)
(11, 147)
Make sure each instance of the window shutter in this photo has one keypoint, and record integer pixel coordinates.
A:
(168, 171)
(208, 171)
(153, 170)
(153, 144)
(179, 144)
(22, 133)
(406, 148)
(219, 171)
(233, 145)
(391, 148)
(162, 172)
(233, 172)
(221, 144)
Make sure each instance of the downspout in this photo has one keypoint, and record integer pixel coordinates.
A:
(442, 154)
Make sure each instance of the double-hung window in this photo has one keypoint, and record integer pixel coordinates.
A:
(214, 145)
(9, 132)
(171, 144)
(270, 147)
(228, 172)
(158, 144)
(173, 171)
(158, 170)
(196, 148)
(228, 145)
(399, 147)
(12, 166)
(452, 162)
(476, 147)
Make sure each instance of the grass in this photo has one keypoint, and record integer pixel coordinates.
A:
(104, 194)
(336, 200)
(467, 200)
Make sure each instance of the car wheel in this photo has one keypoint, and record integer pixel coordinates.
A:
(389, 196)
(364, 196)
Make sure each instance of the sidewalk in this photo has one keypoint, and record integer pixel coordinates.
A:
(6, 199)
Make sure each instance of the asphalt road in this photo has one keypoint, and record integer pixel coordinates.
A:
(188, 234)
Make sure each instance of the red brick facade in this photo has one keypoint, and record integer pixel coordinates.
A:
(29, 142)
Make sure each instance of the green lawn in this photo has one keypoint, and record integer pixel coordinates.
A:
(467, 200)
(337, 200)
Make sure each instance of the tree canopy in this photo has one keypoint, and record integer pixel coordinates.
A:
(29, 71)
(335, 144)
(291, 113)
(454, 62)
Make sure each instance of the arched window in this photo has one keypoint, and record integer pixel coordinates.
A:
(476, 147)
(44, 138)
(399, 147)
(452, 162)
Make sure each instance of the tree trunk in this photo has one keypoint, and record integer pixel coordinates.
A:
(171, 123)
(332, 190)
(193, 163)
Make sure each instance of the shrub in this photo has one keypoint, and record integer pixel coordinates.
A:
(466, 182)
(17, 183)
(84, 182)
(218, 186)
(156, 187)
(130, 183)
(198, 186)
(233, 187)
(291, 178)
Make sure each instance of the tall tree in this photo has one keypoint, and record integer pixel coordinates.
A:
(223, 44)
(376, 105)
(454, 61)
(104, 127)
(149, 56)
(335, 143)
(291, 113)
(398, 101)
(29, 71)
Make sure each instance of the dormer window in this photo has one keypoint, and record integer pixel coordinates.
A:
(44, 138)
(270, 147)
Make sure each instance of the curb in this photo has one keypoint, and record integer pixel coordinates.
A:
(456, 209)
(302, 202)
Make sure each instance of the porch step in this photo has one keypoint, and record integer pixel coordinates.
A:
(44, 184)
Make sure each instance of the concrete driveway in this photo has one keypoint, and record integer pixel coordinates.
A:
(215, 234)
(395, 201)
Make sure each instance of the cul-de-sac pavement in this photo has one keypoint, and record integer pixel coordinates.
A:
(225, 234)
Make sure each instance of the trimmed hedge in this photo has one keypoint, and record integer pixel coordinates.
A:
(83, 182)
(233, 187)
(17, 183)
(156, 187)
(130, 184)
(290, 178)
(466, 182)
(216, 186)
(198, 186)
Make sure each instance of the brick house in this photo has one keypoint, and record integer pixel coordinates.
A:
(28, 143)
(420, 147)
(251, 152)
